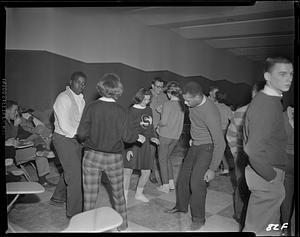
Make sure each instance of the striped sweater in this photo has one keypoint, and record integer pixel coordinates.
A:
(234, 133)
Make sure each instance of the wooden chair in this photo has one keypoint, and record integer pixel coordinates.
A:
(97, 220)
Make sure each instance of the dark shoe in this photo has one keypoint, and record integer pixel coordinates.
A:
(153, 180)
(237, 219)
(48, 184)
(196, 225)
(57, 203)
(174, 210)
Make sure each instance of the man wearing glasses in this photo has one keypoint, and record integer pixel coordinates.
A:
(157, 100)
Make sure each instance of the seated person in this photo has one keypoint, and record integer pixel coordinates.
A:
(40, 135)
(12, 122)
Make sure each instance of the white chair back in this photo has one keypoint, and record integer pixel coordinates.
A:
(97, 220)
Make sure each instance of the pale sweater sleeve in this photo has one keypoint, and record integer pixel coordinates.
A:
(164, 115)
(62, 108)
(213, 123)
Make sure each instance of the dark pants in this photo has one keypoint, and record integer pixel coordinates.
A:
(241, 191)
(69, 187)
(191, 187)
(286, 206)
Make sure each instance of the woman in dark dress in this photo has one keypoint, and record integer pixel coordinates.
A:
(138, 156)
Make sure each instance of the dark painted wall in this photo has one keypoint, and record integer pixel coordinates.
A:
(34, 79)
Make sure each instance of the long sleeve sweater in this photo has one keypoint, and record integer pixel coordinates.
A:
(264, 135)
(104, 126)
(171, 122)
(206, 129)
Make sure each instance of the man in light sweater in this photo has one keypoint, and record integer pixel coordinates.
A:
(68, 108)
(265, 142)
(203, 157)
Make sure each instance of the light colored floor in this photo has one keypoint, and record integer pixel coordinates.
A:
(33, 213)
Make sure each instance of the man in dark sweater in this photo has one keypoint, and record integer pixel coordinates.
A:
(103, 128)
(265, 142)
(203, 157)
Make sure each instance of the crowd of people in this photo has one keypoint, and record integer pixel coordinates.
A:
(103, 136)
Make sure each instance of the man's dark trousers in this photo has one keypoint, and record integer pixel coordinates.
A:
(191, 187)
(69, 187)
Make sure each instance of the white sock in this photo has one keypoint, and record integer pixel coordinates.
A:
(126, 194)
(164, 188)
(171, 184)
(140, 196)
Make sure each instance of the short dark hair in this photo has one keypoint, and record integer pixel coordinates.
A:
(76, 75)
(140, 95)
(159, 80)
(221, 97)
(10, 103)
(271, 61)
(173, 88)
(110, 86)
(193, 88)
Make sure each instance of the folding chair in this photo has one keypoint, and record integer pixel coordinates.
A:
(96, 220)
(18, 188)
(30, 154)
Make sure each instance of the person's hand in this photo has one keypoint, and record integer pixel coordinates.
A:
(17, 121)
(209, 175)
(159, 109)
(155, 140)
(129, 155)
(141, 138)
(11, 142)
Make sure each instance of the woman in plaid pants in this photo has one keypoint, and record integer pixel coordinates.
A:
(103, 129)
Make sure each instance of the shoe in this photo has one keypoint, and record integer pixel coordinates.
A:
(48, 184)
(225, 172)
(153, 180)
(174, 210)
(238, 220)
(196, 225)
(164, 188)
(171, 184)
(141, 197)
(57, 200)
(45, 153)
(55, 203)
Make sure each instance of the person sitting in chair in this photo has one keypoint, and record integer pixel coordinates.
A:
(12, 122)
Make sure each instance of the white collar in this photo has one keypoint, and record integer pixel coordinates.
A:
(203, 101)
(138, 106)
(106, 99)
(74, 94)
(270, 91)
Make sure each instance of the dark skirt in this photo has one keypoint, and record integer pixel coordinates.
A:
(142, 156)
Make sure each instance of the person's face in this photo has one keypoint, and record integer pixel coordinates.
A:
(192, 101)
(280, 77)
(12, 112)
(158, 87)
(213, 92)
(78, 85)
(146, 100)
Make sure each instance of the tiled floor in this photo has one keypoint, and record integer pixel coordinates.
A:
(32, 213)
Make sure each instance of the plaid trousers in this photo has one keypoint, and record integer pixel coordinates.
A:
(94, 162)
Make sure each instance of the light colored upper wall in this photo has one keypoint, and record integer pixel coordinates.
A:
(108, 37)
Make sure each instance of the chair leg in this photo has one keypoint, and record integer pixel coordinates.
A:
(27, 176)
